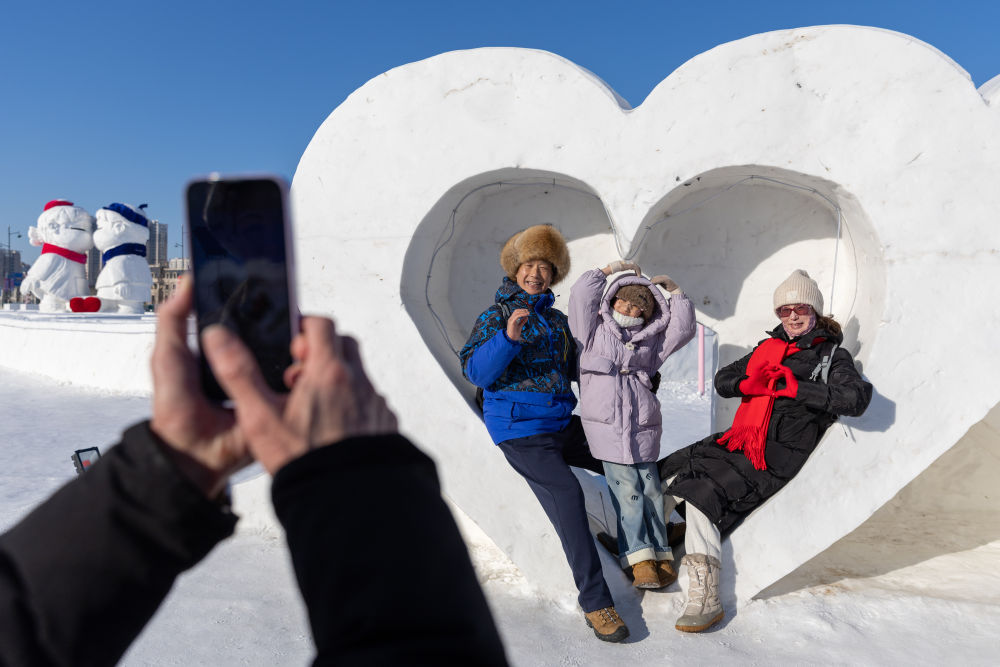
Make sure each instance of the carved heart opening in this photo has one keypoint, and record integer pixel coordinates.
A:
(721, 235)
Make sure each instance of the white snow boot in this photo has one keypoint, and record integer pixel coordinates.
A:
(704, 609)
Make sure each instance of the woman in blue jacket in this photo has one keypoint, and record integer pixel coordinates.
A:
(522, 354)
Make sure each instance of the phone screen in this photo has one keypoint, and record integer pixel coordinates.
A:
(84, 458)
(240, 265)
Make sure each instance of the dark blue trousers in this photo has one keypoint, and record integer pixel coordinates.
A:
(544, 460)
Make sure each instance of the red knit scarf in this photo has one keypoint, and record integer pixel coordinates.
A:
(78, 257)
(749, 429)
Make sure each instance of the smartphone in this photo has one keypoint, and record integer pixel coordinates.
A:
(84, 458)
(241, 260)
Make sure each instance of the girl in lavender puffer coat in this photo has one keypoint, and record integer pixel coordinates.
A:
(624, 335)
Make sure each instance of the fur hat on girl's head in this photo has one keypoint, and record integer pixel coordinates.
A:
(639, 296)
(799, 288)
(538, 242)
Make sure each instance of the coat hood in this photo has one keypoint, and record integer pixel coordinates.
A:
(515, 297)
(654, 325)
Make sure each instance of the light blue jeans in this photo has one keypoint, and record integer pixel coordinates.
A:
(638, 501)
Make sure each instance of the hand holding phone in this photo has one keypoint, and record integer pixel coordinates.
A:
(241, 259)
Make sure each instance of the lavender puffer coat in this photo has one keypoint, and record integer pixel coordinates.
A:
(620, 413)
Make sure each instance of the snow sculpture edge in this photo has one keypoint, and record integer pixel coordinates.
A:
(737, 168)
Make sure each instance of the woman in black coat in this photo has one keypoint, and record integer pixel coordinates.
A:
(793, 385)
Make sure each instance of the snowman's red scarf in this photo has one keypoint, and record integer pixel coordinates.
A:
(78, 257)
(749, 429)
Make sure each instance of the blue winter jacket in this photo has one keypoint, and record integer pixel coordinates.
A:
(526, 384)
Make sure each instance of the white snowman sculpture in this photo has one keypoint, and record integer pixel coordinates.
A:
(125, 283)
(64, 232)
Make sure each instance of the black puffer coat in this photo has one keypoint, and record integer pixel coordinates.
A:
(724, 485)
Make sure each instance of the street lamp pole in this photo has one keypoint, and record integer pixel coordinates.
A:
(181, 246)
(183, 229)
(4, 292)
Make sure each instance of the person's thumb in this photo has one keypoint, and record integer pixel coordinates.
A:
(258, 409)
(236, 369)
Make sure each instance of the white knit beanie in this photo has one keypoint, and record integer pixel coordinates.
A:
(799, 288)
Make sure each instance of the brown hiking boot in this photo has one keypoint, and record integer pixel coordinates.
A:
(607, 624)
(666, 571)
(645, 576)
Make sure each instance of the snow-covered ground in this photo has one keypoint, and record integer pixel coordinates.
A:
(241, 607)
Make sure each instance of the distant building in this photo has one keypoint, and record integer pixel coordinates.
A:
(165, 278)
(10, 261)
(94, 266)
(156, 248)
(11, 272)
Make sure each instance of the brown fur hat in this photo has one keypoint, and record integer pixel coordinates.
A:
(638, 295)
(534, 243)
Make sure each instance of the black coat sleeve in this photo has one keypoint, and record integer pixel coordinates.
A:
(379, 560)
(845, 391)
(82, 574)
(728, 378)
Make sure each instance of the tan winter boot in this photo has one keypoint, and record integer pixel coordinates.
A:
(665, 570)
(645, 575)
(607, 624)
(704, 609)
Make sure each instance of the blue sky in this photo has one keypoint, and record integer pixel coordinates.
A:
(125, 101)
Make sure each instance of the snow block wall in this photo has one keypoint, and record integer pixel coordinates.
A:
(864, 156)
(96, 351)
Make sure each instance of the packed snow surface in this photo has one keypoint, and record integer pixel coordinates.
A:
(241, 607)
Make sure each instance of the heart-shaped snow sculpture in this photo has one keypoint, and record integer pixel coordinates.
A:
(861, 155)
(85, 304)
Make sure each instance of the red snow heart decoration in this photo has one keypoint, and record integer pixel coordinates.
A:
(88, 304)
